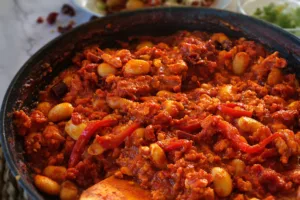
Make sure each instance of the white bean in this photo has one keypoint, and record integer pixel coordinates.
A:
(158, 156)
(144, 44)
(274, 77)
(172, 107)
(46, 185)
(95, 149)
(73, 130)
(117, 102)
(222, 182)
(44, 107)
(164, 93)
(295, 105)
(56, 173)
(60, 112)
(105, 69)
(239, 166)
(69, 191)
(240, 63)
(248, 124)
(136, 67)
(225, 92)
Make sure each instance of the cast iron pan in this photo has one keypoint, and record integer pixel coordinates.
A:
(34, 74)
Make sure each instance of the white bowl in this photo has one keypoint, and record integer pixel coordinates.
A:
(90, 6)
(248, 7)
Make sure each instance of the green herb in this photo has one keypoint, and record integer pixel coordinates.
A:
(280, 15)
(100, 5)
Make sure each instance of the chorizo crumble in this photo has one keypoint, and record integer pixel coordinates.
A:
(192, 115)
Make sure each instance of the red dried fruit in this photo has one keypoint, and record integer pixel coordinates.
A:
(40, 20)
(63, 29)
(51, 19)
(60, 89)
(68, 10)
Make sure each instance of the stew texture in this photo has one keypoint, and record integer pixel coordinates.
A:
(192, 115)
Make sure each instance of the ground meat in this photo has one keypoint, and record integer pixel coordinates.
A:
(133, 87)
(287, 117)
(38, 117)
(169, 83)
(273, 181)
(87, 173)
(287, 145)
(284, 91)
(22, 122)
(174, 115)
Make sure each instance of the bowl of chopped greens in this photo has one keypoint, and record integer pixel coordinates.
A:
(283, 13)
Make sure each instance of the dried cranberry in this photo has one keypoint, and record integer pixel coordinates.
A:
(51, 19)
(68, 10)
(60, 89)
(40, 20)
(63, 29)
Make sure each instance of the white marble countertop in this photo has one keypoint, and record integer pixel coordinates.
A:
(21, 36)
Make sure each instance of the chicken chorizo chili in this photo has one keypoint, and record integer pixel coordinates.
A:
(186, 116)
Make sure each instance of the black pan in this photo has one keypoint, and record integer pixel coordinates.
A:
(34, 75)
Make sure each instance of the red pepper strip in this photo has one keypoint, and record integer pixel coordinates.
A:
(111, 141)
(184, 135)
(190, 127)
(84, 138)
(233, 134)
(175, 144)
(233, 112)
(232, 105)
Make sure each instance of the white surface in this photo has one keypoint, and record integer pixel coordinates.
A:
(21, 36)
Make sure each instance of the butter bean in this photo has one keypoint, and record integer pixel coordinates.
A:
(248, 124)
(74, 131)
(69, 191)
(222, 182)
(158, 156)
(46, 185)
(44, 107)
(136, 67)
(240, 63)
(60, 112)
(274, 77)
(144, 44)
(239, 166)
(105, 69)
(56, 173)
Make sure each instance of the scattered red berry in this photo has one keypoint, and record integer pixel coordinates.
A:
(51, 19)
(63, 29)
(68, 10)
(40, 20)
